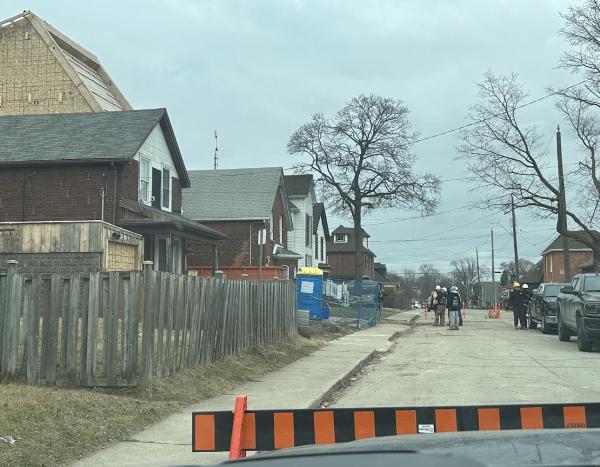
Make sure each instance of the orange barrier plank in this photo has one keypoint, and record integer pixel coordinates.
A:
(324, 427)
(249, 432)
(283, 430)
(575, 417)
(489, 419)
(445, 420)
(204, 432)
(406, 422)
(531, 418)
(364, 424)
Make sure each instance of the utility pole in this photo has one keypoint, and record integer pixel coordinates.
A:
(478, 276)
(216, 158)
(514, 229)
(562, 209)
(493, 274)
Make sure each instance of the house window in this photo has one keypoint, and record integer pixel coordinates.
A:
(166, 188)
(307, 260)
(340, 238)
(322, 249)
(144, 180)
(307, 231)
(550, 262)
(316, 247)
(271, 228)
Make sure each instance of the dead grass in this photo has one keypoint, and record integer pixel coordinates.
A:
(53, 426)
(328, 331)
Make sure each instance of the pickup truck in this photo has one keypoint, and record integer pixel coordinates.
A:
(542, 308)
(578, 312)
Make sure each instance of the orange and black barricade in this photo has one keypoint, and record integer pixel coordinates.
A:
(266, 430)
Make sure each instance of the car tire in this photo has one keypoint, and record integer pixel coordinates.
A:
(545, 326)
(583, 343)
(563, 333)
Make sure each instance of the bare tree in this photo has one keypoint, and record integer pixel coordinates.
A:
(465, 275)
(508, 267)
(362, 161)
(510, 157)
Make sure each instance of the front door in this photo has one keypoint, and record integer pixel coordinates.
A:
(156, 180)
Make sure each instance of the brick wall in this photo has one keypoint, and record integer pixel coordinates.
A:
(553, 264)
(63, 192)
(342, 264)
(62, 263)
(32, 81)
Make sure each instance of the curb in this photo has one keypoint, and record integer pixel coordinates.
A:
(340, 383)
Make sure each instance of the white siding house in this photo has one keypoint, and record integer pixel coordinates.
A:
(310, 234)
(156, 171)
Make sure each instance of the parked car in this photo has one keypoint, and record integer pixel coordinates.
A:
(542, 308)
(578, 312)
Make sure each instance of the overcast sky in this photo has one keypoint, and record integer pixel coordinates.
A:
(256, 70)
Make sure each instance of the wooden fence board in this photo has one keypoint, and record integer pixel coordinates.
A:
(71, 334)
(94, 306)
(147, 326)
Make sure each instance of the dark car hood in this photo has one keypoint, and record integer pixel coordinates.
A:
(491, 448)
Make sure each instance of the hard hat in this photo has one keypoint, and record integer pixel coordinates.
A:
(437, 287)
(444, 289)
(454, 289)
(525, 286)
(516, 285)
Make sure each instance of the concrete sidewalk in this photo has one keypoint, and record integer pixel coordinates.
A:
(302, 384)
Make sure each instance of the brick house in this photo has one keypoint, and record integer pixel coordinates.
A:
(340, 254)
(239, 203)
(43, 71)
(311, 233)
(553, 258)
(123, 167)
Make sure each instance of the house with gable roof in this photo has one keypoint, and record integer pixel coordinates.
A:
(240, 203)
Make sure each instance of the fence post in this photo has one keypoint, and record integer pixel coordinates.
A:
(12, 317)
(148, 320)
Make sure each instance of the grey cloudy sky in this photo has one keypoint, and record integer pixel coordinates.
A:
(255, 70)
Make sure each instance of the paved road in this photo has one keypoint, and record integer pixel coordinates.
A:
(486, 362)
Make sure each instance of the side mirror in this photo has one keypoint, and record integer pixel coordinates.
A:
(567, 289)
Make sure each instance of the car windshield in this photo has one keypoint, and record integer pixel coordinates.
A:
(552, 290)
(342, 204)
(592, 284)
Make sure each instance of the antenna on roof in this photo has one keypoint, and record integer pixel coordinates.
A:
(216, 159)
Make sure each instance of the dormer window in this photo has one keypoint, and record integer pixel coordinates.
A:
(340, 238)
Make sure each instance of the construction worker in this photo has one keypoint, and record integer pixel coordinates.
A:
(516, 298)
(440, 310)
(526, 296)
(433, 301)
(454, 306)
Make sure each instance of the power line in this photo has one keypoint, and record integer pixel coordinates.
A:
(467, 125)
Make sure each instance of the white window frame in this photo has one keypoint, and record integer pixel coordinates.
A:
(147, 179)
(344, 238)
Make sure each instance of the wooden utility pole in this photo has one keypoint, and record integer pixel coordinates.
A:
(514, 229)
(562, 209)
(493, 274)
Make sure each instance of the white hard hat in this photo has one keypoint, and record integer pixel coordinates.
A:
(525, 286)
(453, 289)
(444, 289)
(437, 287)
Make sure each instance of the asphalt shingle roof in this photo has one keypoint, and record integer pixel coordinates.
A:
(231, 194)
(84, 137)
(75, 136)
(572, 245)
(298, 185)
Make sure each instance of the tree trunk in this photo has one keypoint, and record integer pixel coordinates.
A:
(358, 245)
(596, 256)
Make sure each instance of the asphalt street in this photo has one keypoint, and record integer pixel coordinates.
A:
(485, 362)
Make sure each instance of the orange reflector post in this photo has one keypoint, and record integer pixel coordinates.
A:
(235, 447)
(204, 432)
(531, 418)
(489, 419)
(324, 427)
(406, 422)
(575, 417)
(283, 430)
(364, 424)
(445, 420)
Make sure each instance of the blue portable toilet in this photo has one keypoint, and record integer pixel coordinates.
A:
(309, 290)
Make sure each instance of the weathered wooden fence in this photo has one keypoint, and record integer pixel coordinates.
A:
(117, 329)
